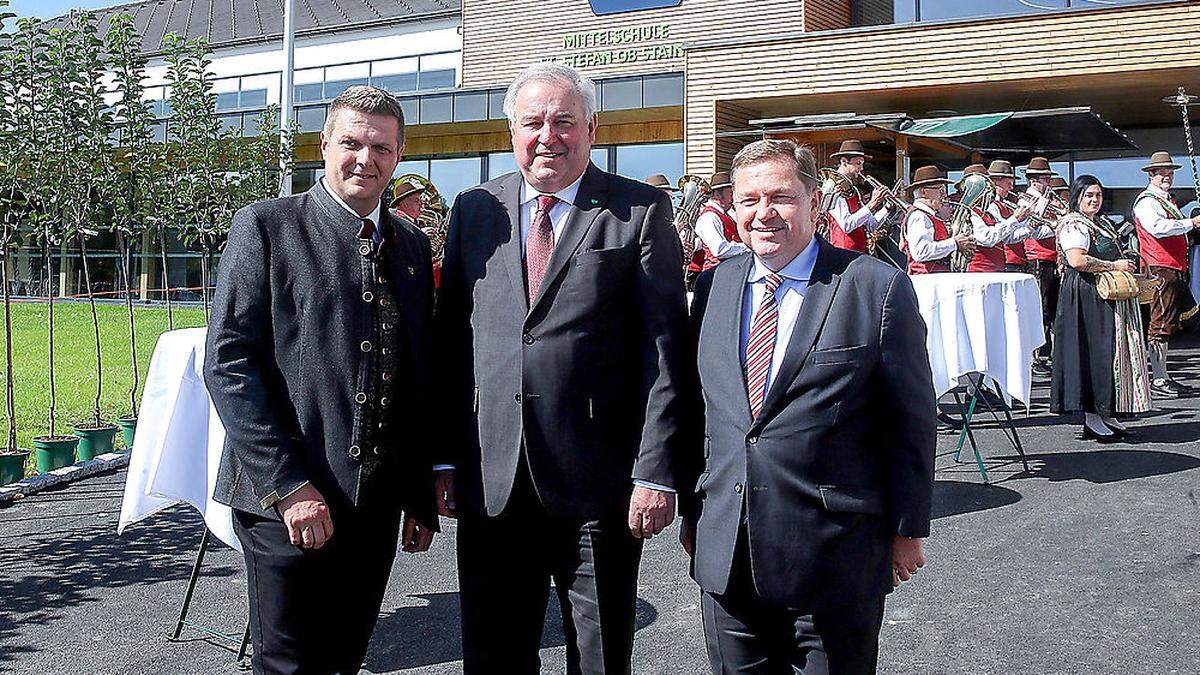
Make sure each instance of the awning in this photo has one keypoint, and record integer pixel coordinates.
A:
(1051, 132)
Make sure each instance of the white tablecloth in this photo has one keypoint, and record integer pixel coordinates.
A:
(981, 323)
(179, 437)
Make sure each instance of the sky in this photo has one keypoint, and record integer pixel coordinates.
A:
(46, 9)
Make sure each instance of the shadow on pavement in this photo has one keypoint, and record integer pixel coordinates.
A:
(429, 633)
(1105, 466)
(953, 497)
(61, 568)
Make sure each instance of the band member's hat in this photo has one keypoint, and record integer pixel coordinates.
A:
(1059, 183)
(850, 148)
(719, 180)
(660, 181)
(1039, 166)
(403, 188)
(1001, 168)
(1160, 160)
(928, 176)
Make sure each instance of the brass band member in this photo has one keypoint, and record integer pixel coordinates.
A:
(850, 218)
(927, 240)
(1043, 257)
(406, 205)
(1162, 233)
(1015, 258)
(991, 230)
(715, 227)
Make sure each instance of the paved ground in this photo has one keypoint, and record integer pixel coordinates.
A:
(1090, 563)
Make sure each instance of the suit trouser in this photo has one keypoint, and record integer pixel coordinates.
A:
(746, 634)
(313, 611)
(505, 565)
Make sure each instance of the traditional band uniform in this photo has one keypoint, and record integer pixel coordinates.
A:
(1043, 260)
(1162, 235)
(927, 241)
(1016, 258)
(850, 218)
(716, 229)
(990, 231)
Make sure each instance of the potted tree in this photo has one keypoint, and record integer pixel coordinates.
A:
(77, 56)
(138, 163)
(38, 122)
(12, 458)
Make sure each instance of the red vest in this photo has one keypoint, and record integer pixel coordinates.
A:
(1014, 254)
(987, 258)
(940, 232)
(1041, 249)
(1166, 252)
(729, 229)
(854, 241)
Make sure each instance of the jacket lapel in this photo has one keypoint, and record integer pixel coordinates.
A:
(728, 307)
(589, 202)
(510, 251)
(822, 285)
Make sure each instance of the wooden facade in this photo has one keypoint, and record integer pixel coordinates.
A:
(1119, 60)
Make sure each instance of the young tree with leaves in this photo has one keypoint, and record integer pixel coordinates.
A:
(10, 162)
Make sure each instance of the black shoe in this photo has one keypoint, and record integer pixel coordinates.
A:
(1089, 435)
(1179, 389)
(954, 423)
(1161, 389)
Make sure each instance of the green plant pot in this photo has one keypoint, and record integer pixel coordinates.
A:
(95, 441)
(12, 467)
(54, 452)
(128, 427)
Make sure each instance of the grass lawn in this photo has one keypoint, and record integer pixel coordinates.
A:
(75, 361)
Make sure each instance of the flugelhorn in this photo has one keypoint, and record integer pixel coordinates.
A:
(897, 209)
(976, 191)
(434, 218)
(694, 191)
(833, 184)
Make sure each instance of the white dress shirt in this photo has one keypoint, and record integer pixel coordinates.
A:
(851, 221)
(374, 216)
(558, 212)
(788, 298)
(711, 231)
(1073, 234)
(919, 235)
(1155, 219)
(1019, 230)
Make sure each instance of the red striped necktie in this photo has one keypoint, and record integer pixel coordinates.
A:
(761, 344)
(540, 245)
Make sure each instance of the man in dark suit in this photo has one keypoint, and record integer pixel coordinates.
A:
(562, 320)
(318, 354)
(819, 435)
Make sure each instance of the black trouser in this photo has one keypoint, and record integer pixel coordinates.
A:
(1046, 272)
(313, 611)
(505, 565)
(746, 634)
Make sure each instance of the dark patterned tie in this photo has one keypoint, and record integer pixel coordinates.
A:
(540, 244)
(761, 345)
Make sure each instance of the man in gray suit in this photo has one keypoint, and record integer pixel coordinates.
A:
(562, 321)
(318, 356)
(817, 474)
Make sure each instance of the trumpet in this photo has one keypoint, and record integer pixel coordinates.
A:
(891, 198)
(897, 208)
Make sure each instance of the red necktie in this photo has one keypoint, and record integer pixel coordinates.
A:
(540, 244)
(761, 345)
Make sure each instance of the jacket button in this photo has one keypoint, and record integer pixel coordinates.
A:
(384, 401)
(517, 398)
(753, 440)
(355, 451)
(385, 376)
(527, 338)
(365, 249)
(387, 326)
(738, 488)
(368, 296)
(365, 346)
(375, 450)
(382, 280)
(383, 302)
(360, 398)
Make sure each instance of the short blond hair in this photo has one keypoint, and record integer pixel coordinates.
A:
(368, 101)
(800, 157)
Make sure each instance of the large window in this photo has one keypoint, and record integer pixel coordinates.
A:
(641, 161)
(876, 12)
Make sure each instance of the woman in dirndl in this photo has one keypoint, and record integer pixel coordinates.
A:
(1099, 357)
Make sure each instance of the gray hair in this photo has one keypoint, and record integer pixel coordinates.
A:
(556, 73)
(368, 101)
(800, 157)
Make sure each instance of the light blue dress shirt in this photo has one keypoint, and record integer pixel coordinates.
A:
(788, 298)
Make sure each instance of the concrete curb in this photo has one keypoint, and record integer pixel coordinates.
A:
(68, 474)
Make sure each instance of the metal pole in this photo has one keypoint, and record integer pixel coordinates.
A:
(1182, 100)
(285, 95)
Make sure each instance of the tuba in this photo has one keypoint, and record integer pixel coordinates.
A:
(434, 218)
(694, 192)
(833, 184)
(976, 191)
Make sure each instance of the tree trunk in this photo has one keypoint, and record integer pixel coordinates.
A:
(50, 332)
(166, 280)
(8, 351)
(125, 257)
(87, 282)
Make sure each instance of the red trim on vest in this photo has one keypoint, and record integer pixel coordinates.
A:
(853, 241)
(705, 260)
(987, 258)
(940, 232)
(1165, 252)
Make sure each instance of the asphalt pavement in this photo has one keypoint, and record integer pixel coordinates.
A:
(1087, 563)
